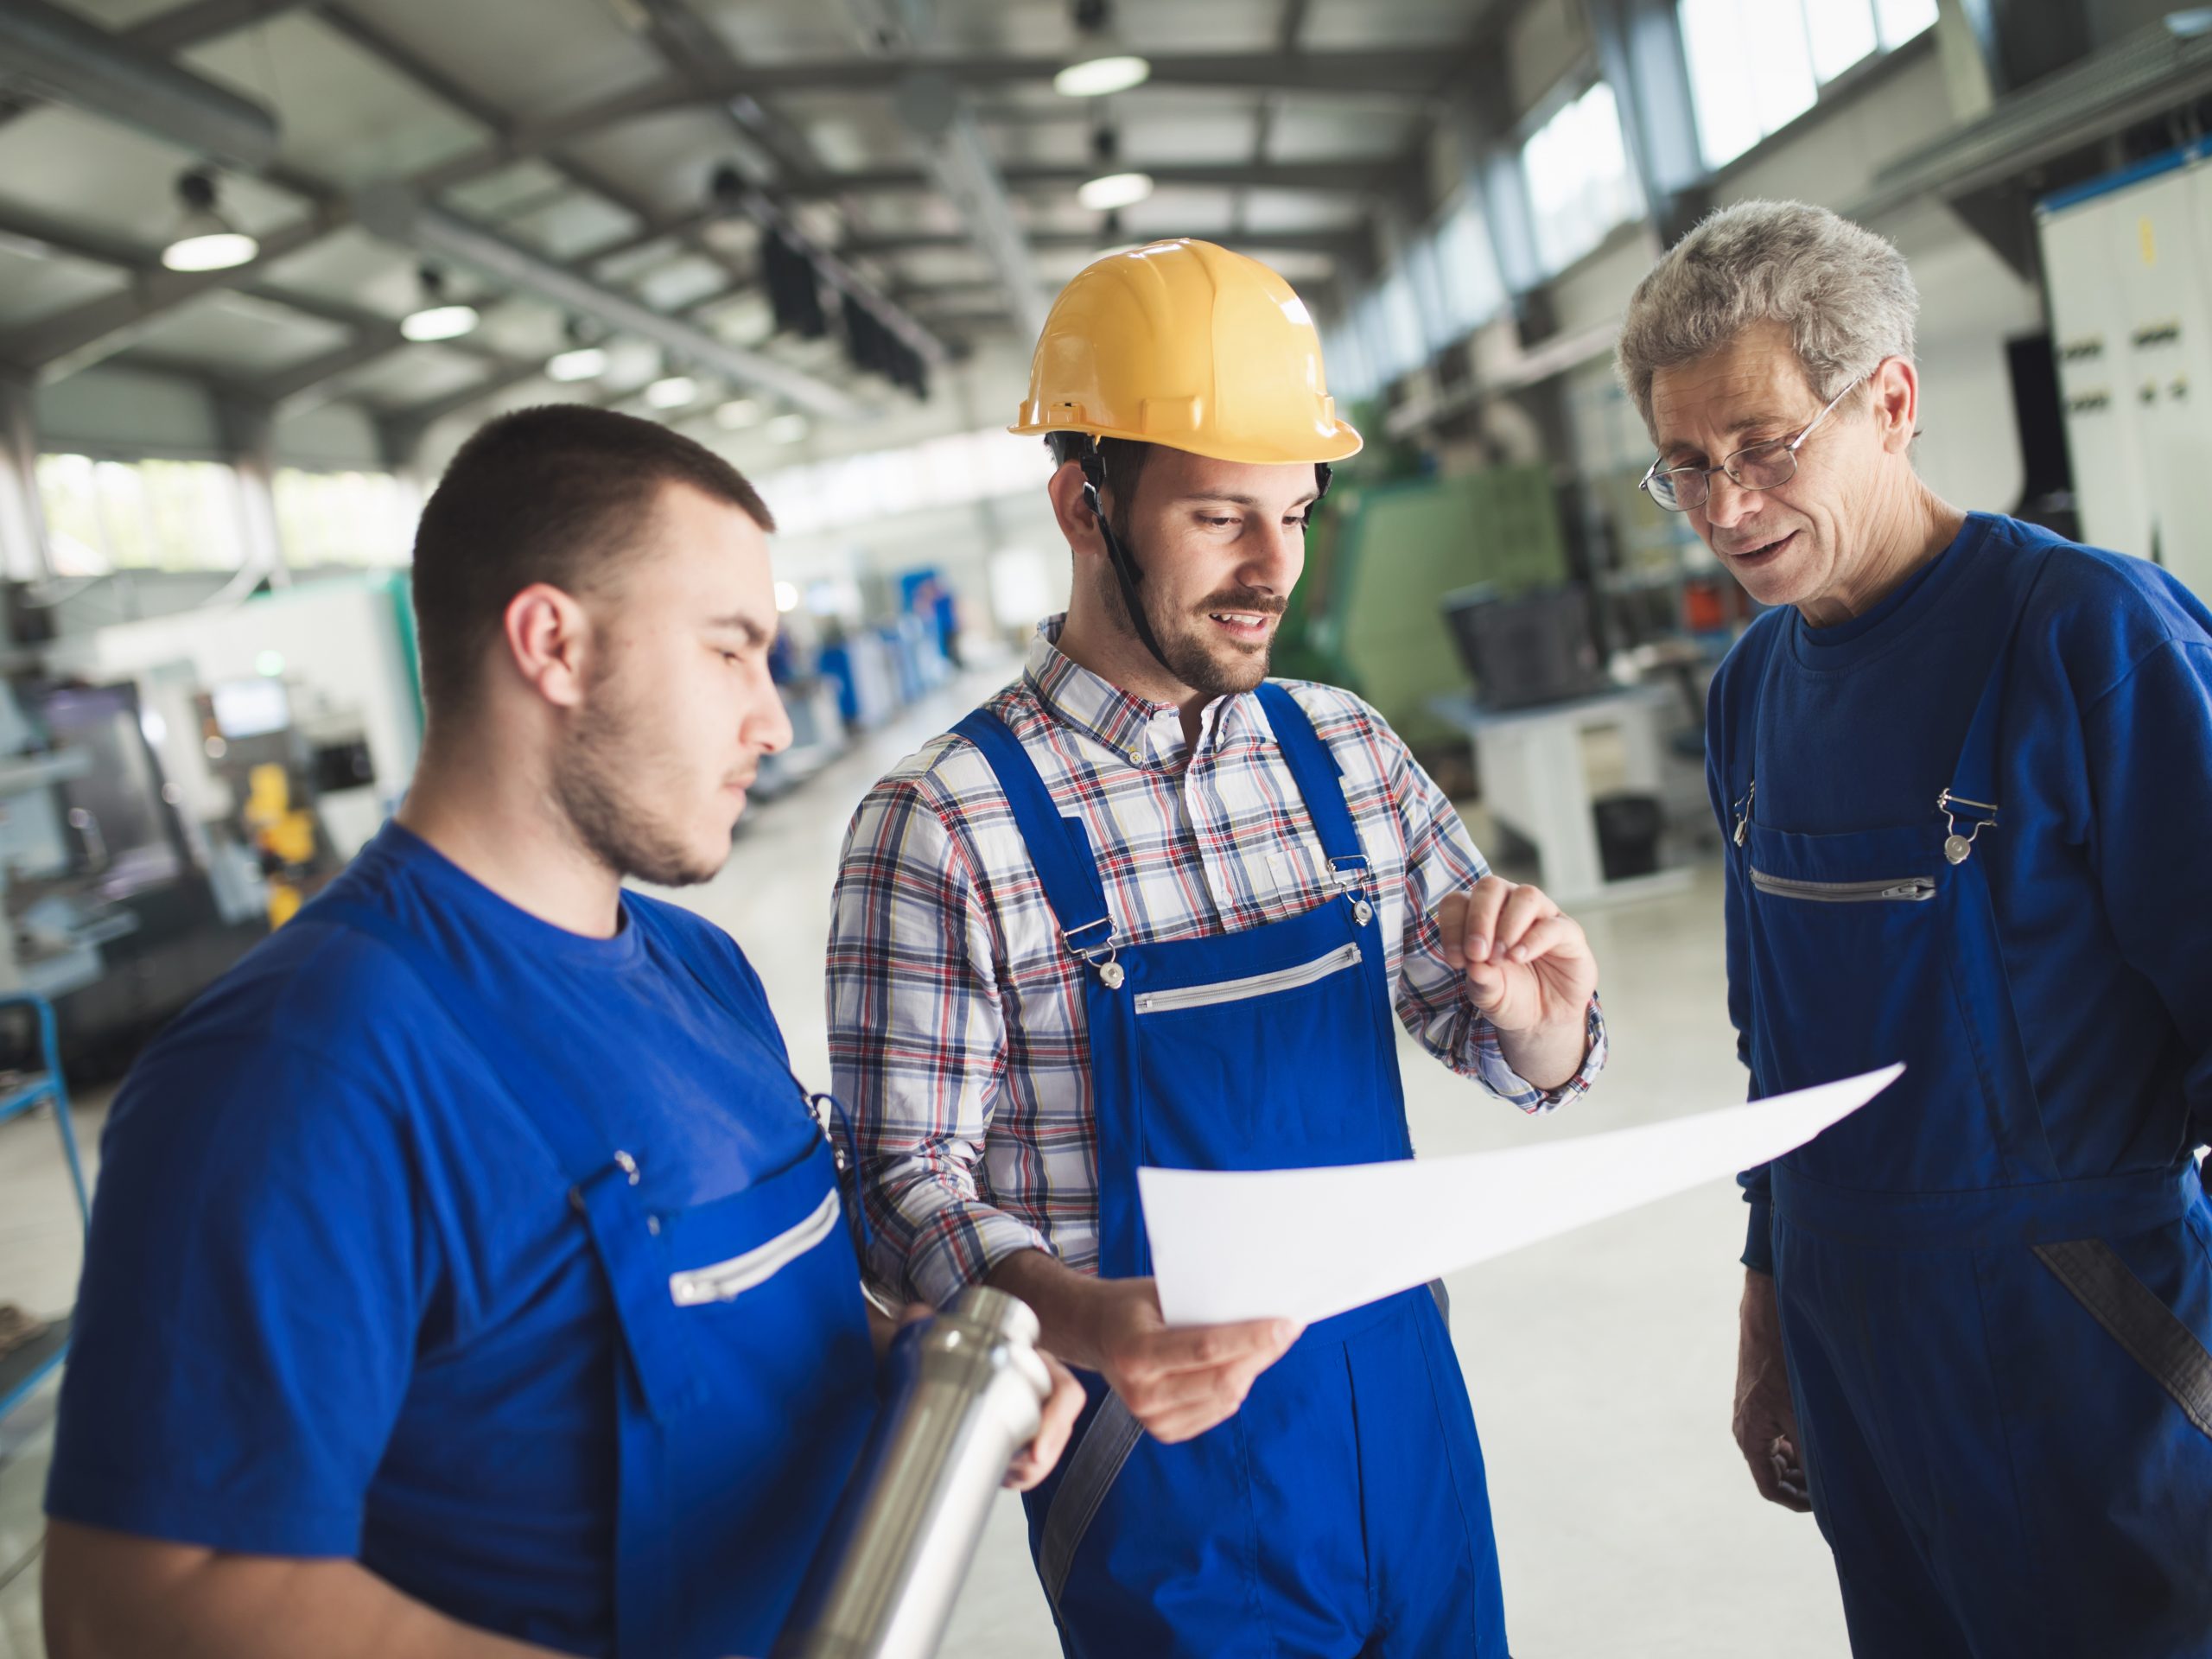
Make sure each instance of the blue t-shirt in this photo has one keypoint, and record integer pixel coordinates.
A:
(335, 1302)
(2103, 892)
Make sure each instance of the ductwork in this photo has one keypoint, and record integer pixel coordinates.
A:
(47, 53)
(398, 214)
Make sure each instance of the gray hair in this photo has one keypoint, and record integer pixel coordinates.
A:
(1843, 292)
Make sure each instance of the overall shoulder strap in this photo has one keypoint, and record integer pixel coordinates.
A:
(1057, 846)
(1314, 769)
(1974, 778)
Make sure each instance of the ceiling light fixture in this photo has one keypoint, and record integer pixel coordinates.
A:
(738, 414)
(438, 318)
(1102, 64)
(1102, 77)
(578, 362)
(672, 392)
(207, 239)
(786, 429)
(1111, 190)
(582, 359)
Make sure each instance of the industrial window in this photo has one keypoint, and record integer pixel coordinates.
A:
(1580, 185)
(1343, 356)
(103, 516)
(1756, 64)
(1467, 269)
(1403, 344)
(364, 518)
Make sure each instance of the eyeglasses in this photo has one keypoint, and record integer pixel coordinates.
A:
(1766, 466)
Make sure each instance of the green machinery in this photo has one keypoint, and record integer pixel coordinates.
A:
(1368, 611)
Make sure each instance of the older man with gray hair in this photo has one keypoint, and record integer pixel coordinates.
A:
(1964, 771)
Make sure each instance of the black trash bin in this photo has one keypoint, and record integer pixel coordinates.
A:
(1628, 834)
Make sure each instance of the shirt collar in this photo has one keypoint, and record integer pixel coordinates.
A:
(1129, 725)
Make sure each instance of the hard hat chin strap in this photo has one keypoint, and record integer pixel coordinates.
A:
(1125, 568)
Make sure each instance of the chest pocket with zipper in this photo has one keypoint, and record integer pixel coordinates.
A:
(1901, 890)
(1250, 985)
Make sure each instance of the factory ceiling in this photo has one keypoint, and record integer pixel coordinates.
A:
(590, 174)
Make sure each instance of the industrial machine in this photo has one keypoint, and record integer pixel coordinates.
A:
(1369, 615)
(111, 911)
(277, 774)
(2125, 259)
(1530, 647)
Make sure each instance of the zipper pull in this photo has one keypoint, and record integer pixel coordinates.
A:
(1743, 812)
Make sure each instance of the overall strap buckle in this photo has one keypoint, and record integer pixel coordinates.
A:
(1356, 881)
(1981, 815)
(1100, 956)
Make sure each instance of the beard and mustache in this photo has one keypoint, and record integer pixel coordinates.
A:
(614, 783)
(1193, 657)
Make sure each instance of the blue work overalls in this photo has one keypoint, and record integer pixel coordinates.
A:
(2000, 1374)
(746, 1381)
(1343, 1510)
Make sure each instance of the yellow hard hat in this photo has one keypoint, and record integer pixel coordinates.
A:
(1187, 345)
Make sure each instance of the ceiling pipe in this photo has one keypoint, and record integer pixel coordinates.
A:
(49, 54)
(398, 214)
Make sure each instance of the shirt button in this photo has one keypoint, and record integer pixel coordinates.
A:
(1137, 756)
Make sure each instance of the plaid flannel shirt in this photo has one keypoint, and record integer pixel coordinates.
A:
(957, 1027)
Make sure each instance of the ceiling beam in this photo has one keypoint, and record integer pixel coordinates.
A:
(1397, 74)
(80, 336)
(416, 418)
(433, 79)
(696, 51)
(1330, 242)
(55, 239)
(1398, 71)
(181, 27)
(692, 227)
(321, 370)
(1290, 23)
(1330, 178)
(47, 52)
(398, 215)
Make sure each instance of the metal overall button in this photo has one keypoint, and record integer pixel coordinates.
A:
(1957, 849)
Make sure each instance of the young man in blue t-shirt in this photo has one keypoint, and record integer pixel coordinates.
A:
(1964, 768)
(464, 1278)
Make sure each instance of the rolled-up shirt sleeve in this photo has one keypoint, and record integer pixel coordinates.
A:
(917, 1046)
(1431, 1000)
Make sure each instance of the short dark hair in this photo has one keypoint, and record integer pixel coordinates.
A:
(552, 494)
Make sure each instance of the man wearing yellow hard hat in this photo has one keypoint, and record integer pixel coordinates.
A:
(1147, 906)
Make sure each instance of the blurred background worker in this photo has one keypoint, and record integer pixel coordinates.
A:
(467, 1275)
(1147, 905)
(1965, 769)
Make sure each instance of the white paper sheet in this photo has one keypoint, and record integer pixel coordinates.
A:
(1305, 1244)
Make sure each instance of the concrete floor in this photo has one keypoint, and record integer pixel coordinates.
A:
(1600, 1363)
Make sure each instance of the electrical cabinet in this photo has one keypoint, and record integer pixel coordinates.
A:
(2126, 264)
